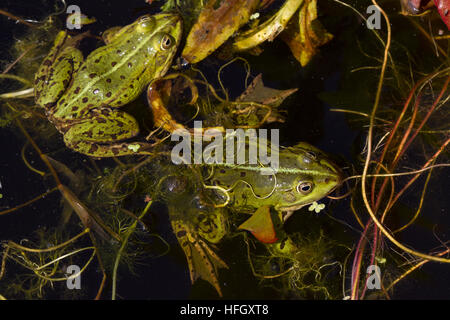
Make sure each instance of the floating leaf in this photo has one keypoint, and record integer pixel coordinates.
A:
(215, 26)
(258, 92)
(306, 33)
(269, 29)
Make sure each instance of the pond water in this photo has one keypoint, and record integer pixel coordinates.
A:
(336, 78)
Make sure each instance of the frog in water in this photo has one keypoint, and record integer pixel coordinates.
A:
(199, 206)
(305, 175)
(82, 98)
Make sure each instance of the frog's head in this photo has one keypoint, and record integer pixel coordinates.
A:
(312, 177)
(159, 36)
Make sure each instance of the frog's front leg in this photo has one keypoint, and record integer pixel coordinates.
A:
(102, 133)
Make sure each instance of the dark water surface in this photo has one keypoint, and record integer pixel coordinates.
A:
(309, 119)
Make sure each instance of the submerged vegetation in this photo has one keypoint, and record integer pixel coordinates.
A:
(111, 216)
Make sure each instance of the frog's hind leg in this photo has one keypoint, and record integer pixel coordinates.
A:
(56, 71)
(104, 133)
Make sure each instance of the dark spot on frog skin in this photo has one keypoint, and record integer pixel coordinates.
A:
(75, 145)
(65, 82)
(90, 105)
(131, 86)
(118, 51)
(130, 64)
(122, 77)
(101, 132)
(48, 105)
(181, 233)
(77, 90)
(38, 79)
(85, 99)
(92, 75)
(108, 94)
(242, 174)
(47, 62)
(282, 244)
(101, 120)
(93, 148)
(119, 124)
(97, 60)
(115, 151)
(74, 109)
(108, 80)
(113, 63)
(105, 112)
(88, 134)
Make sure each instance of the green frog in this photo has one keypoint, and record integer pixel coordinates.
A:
(305, 175)
(82, 98)
(199, 206)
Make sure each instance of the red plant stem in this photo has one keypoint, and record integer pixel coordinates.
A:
(418, 174)
(357, 263)
(424, 120)
(393, 132)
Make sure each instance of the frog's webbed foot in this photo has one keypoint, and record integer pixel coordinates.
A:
(103, 135)
(202, 261)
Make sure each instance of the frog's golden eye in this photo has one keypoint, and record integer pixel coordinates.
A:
(304, 187)
(167, 42)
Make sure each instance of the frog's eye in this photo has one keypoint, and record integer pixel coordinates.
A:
(146, 23)
(304, 187)
(311, 154)
(167, 42)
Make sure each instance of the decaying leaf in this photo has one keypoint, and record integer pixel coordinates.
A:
(257, 92)
(443, 7)
(305, 34)
(269, 29)
(261, 226)
(415, 7)
(215, 26)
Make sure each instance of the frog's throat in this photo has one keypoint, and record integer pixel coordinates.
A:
(119, 65)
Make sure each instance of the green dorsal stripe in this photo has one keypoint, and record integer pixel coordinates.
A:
(279, 170)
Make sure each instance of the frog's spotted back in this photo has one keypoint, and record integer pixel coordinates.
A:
(80, 97)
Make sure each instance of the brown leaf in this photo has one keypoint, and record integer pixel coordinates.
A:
(305, 34)
(215, 26)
